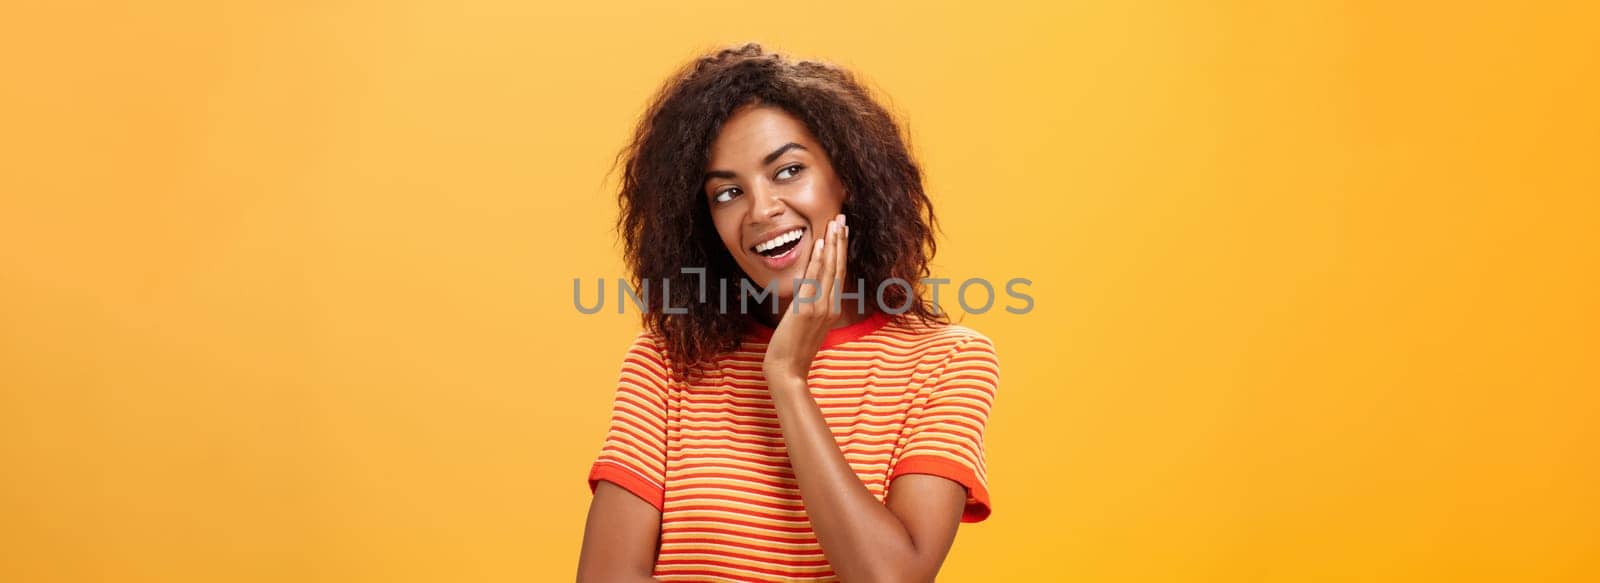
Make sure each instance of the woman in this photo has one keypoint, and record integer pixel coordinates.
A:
(833, 432)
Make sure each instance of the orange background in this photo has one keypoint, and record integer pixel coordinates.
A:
(285, 287)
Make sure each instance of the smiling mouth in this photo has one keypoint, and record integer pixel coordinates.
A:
(780, 245)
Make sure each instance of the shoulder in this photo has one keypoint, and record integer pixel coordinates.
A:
(940, 341)
(648, 339)
(647, 357)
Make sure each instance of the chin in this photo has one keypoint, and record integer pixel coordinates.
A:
(783, 282)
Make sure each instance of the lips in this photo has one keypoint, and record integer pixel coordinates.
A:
(777, 243)
(780, 248)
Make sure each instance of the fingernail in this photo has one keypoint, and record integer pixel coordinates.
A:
(843, 222)
(833, 227)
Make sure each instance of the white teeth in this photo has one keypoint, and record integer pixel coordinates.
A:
(778, 240)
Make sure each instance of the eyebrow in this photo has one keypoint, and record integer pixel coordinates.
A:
(764, 160)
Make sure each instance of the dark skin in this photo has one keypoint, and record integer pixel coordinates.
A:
(768, 175)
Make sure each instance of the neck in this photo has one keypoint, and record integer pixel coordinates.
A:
(851, 311)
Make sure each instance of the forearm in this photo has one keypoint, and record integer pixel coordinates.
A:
(862, 538)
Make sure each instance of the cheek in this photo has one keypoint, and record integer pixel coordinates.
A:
(820, 203)
(815, 199)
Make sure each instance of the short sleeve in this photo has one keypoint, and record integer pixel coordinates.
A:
(634, 455)
(945, 437)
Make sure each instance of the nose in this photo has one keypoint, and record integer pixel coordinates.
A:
(767, 204)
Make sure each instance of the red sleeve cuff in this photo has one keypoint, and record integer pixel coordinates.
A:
(633, 483)
(977, 496)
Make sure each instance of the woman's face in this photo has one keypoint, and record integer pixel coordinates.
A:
(770, 188)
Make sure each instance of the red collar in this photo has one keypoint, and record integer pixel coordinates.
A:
(759, 332)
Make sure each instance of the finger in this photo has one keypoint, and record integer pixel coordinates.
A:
(813, 266)
(841, 259)
(827, 268)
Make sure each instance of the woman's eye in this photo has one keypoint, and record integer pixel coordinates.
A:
(725, 195)
(788, 172)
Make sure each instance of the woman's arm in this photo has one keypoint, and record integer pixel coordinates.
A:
(619, 540)
(905, 540)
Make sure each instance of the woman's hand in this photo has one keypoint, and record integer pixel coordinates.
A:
(903, 538)
(801, 331)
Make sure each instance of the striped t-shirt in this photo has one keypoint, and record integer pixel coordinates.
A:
(900, 397)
